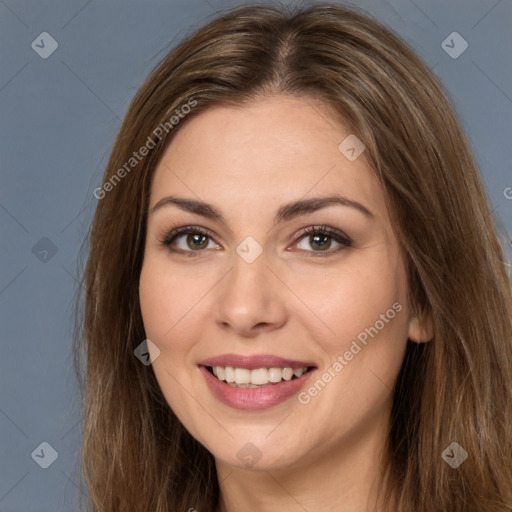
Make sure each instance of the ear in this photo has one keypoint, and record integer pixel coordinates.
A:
(421, 327)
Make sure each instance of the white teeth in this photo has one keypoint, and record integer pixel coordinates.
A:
(233, 385)
(298, 372)
(275, 374)
(245, 378)
(242, 376)
(287, 373)
(259, 376)
(229, 374)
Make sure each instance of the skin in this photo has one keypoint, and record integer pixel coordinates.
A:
(248, 162)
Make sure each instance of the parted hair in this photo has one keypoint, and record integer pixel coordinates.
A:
(136, 456)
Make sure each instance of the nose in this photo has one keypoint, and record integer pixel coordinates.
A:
(250, 300)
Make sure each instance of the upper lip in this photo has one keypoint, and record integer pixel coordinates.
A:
(253, 362)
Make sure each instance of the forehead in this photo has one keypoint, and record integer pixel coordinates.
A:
(276, 149)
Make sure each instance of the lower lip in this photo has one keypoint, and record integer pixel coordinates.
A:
(254, 398)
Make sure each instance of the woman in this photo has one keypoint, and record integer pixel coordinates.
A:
(295, 295)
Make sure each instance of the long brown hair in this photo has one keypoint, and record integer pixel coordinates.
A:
(136, 455)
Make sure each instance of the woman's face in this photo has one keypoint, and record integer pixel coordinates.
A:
(247, 288)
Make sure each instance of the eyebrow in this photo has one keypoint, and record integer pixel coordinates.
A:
(285, 213)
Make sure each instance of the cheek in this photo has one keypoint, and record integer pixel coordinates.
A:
(174, 308)
(363, 347)
(154, 295)
(167, 307)
(162, 302)
(349, 301)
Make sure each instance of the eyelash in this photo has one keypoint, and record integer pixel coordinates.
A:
(336, 235)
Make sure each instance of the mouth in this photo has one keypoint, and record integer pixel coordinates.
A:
(256, 388)
(246, 378)
(256, 381)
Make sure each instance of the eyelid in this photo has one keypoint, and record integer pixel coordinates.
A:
(324, 229)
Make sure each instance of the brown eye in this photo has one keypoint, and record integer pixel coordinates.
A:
(322, 242)
(197, 241)
(320, 239)
(188, 239)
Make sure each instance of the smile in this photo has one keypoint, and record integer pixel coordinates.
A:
(259, 377)
(255, 389)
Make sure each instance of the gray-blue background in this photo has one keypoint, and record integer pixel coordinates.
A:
(59, 117)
